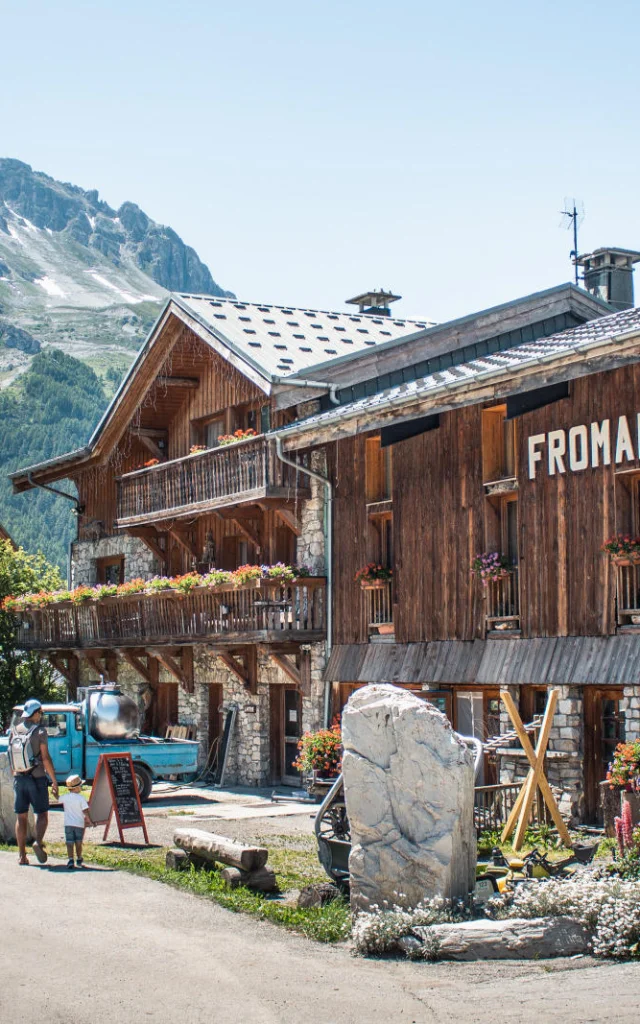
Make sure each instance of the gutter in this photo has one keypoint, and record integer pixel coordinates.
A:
(297, 383)
(352, 412)
(328, 555)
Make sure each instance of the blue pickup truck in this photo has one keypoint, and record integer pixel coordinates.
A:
(105, 722)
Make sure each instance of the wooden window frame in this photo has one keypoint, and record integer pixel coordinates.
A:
(105, 563)
(495, 456)
(378, 476)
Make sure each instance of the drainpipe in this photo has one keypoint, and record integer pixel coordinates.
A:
(78, 510)
(328, 552)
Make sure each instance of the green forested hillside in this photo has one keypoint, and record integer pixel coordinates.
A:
(51, 409)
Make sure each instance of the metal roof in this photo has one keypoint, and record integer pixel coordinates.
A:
(543, 661)
(556, 346)
(286, 340)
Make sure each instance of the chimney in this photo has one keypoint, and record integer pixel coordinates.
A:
(608, 274)
(376, 302)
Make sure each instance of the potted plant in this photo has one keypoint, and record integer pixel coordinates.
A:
(238, 435)
(373, 576)
(624, 775)
(320, 757)
(623, 549)
(491, 566)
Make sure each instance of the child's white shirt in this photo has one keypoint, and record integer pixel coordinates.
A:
(74, 805)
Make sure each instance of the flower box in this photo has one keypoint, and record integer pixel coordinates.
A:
(373, 584)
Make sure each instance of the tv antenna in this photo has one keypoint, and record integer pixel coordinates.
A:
(574, 214)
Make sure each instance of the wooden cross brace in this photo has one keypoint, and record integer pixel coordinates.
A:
(536, 778)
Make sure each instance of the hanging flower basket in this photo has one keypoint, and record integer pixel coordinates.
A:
(622, 549)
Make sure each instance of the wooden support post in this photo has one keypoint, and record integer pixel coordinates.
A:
(305, 673)
(134, 660)
(246, 671)
(151, 541)
(536, 777)
(67, 666)
(248, 532)
(96, 660)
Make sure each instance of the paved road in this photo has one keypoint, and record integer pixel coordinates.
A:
(101, 947)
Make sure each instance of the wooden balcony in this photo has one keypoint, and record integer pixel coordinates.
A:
(502, 603)
(234, 474)
(378, 602)
(628, 593)
(257, 612)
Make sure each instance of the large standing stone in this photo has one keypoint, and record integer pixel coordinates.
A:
(409, 783)
(7, 813)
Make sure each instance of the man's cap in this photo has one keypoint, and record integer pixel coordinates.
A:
(30, 707)
(74, 781)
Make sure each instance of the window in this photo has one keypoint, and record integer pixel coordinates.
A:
(55, 724)
(110, 571)
(378, 471)
(498, 444)
(212, 431)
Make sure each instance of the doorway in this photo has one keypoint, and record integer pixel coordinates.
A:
(285, 733)
(603, 730)
(163, 710)
(476, 712)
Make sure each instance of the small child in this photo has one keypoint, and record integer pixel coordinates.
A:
(76, 819)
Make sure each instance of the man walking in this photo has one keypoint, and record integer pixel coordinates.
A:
(30, 764)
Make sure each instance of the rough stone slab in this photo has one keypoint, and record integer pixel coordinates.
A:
(513, 939)
(409, 790)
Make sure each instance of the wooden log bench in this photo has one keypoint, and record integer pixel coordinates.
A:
(245, 865)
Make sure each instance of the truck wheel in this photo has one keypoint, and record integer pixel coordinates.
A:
(144, 781)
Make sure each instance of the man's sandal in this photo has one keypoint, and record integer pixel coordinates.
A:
(40, 852)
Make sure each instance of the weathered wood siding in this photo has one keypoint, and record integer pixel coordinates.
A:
(438, 530)
(442, 519)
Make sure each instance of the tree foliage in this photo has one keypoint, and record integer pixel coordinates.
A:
(51, 410)
(22, 674)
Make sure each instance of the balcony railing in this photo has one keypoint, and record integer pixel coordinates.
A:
(227, 475)
(378, 600)
(502, 598)
(258, 611)
(628, 586)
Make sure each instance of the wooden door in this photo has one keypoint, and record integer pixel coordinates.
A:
(285, 733)
(163, 710)
(215, 722)
(603, 730)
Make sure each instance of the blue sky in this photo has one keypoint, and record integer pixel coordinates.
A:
(310, 151)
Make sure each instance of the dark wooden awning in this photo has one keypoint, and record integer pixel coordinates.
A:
(566, 660)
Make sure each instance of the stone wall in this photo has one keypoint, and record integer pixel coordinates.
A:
(565, 757)
(139, 562)
(311, 542)
(249, 753)
(630, 706)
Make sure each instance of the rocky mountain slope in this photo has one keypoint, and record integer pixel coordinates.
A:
(79, 275)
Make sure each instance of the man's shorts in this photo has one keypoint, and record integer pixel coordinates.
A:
(73, 834)
(30, 792)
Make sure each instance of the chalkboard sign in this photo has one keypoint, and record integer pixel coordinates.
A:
(114, 791)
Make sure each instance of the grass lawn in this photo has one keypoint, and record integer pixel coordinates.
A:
(294, 861)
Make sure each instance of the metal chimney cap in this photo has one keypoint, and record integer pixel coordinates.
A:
(374, 298)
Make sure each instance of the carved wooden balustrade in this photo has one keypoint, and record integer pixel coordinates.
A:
(228, 475)
(502, 597)
(628, 590)
(258, 611)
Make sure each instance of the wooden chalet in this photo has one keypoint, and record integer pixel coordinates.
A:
(400, 442)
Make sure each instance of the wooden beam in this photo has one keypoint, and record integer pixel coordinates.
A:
(289, 670)
(178, 382)
(536, 776)
(67, 666)
(182, 672)
(132, 659)
(157, 432)
(94, 658)
(249, 533)
(151, 446)
(184, 541)
(151, 542)
(289, 520)
(234, 666)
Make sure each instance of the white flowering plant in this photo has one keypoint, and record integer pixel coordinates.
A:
(609, 907)
(379, 930)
